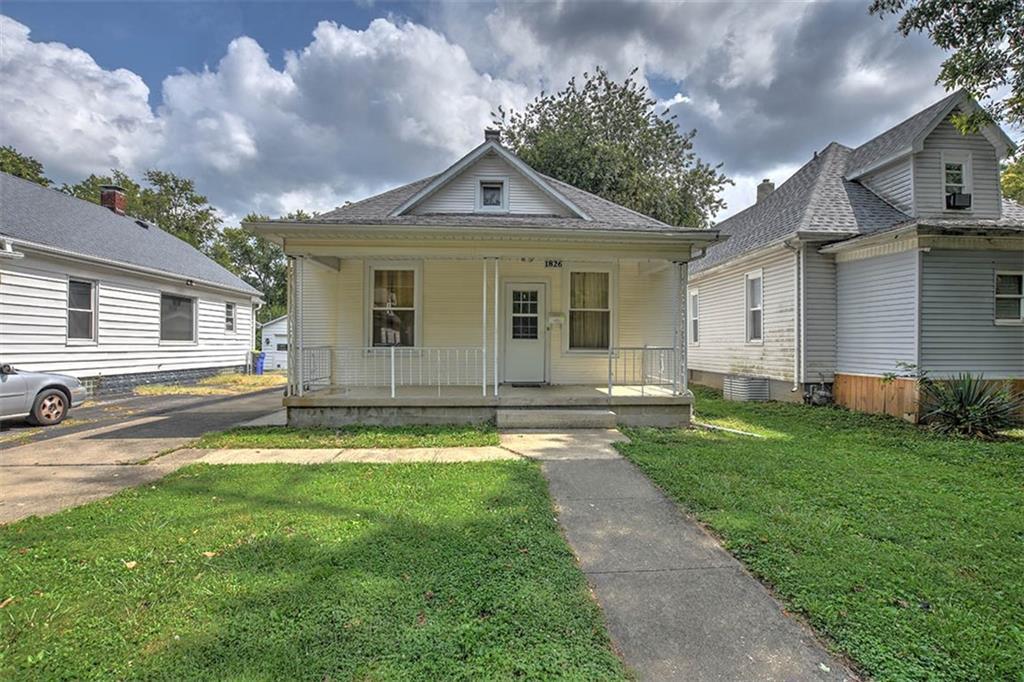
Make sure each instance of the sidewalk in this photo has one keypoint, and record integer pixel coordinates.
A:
(678, 606)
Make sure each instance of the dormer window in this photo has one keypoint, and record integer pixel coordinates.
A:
(492, 195)
(956, 180)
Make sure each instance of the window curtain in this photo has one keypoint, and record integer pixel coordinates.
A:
(589, 311)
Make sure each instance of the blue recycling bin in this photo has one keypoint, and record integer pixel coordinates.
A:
(260, 357)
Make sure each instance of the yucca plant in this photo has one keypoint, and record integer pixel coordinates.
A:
(968, 405)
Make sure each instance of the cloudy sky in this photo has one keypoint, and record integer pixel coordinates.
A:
(277, 106)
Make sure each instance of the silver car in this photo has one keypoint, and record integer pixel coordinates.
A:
(41, 398)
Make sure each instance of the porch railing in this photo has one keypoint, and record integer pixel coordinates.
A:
(316, 366)
(396, 367)
(643, 367)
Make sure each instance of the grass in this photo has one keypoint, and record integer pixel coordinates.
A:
(904, 548)
(351, 571)
(351, 437)
(219, 384)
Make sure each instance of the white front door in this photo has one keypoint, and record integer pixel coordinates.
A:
(525, 333)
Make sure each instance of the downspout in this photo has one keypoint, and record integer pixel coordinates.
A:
(797, 248)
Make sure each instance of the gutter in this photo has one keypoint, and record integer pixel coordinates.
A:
(527, 233)
(163, 274)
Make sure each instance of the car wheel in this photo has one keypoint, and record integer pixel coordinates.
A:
(50, 407)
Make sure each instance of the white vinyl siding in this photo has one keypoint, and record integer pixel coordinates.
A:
(895, 184)
(819, 315)
(958, 328)
(947, 143)
(462, 194)
(723, 346)
(33, 322)
(334, 310)
(877, 313)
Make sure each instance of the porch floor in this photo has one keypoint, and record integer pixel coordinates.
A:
(566, 395)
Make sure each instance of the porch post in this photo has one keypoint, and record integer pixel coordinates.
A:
(682, 371)
(496, 309)
(483, 334)
(299, 369)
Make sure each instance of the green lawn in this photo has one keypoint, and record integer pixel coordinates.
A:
(351, 437)
(402, 571)
(904, 548)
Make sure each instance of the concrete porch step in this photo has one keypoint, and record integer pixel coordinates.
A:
(546, 418)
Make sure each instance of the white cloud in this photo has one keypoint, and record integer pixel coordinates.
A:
(61, 106)
(351, 113)
(744, 193)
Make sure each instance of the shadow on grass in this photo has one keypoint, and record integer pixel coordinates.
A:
(337, 571)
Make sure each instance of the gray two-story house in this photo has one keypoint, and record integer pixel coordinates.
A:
(895, 257)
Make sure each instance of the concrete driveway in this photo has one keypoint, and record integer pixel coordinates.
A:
(118, 449)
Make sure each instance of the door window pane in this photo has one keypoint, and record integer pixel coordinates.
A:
(524, 314)
(177, 318)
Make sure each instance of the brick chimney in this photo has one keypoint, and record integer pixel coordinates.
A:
(492, 135)
(112, 197)
(764, 189)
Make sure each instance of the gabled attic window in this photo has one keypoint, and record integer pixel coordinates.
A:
(492, 195)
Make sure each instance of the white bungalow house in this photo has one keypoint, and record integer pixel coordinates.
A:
(486, 291)
(88, 291)
(868, 261)
(274, 343)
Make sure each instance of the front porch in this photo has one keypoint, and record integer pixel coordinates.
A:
(570, 405)
(386, 336)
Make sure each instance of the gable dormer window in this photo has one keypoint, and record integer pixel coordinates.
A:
(492, 195)
(956, 180)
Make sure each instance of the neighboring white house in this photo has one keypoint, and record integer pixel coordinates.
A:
(488, 290)
(88, 291)
(899, 252)
(274, 343)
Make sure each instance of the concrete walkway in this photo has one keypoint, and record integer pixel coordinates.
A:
(678, 606)
(337, 455)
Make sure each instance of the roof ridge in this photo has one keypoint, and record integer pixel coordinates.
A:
(821, 177)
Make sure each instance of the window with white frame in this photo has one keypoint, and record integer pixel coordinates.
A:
(694, 315)
(81, 310)
(229, 317)
(755, 306)
(1010, 297)
(956, 173)
(393, 307)
(492, 195)
(177, 318)
(590, 313)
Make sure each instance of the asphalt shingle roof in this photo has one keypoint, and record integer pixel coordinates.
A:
(899, 137)
(31, 213)
(604, 214)
(817, 198)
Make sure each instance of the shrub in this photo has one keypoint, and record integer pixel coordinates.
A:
(968, 405)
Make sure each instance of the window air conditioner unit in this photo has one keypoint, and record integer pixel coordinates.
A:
(958, 201)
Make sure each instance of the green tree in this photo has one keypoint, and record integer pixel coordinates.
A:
(23, 166)
(607, 138)
(985, 42)
(167, 200)
(258, 261)
(1012, 180)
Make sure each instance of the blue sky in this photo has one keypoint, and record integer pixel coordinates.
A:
(378, 94)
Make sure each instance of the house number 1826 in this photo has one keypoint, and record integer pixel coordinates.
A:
(552, 263)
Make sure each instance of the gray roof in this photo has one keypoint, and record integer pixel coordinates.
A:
(604, 214)
(901, 136)
(31, 213)
(817, 198)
